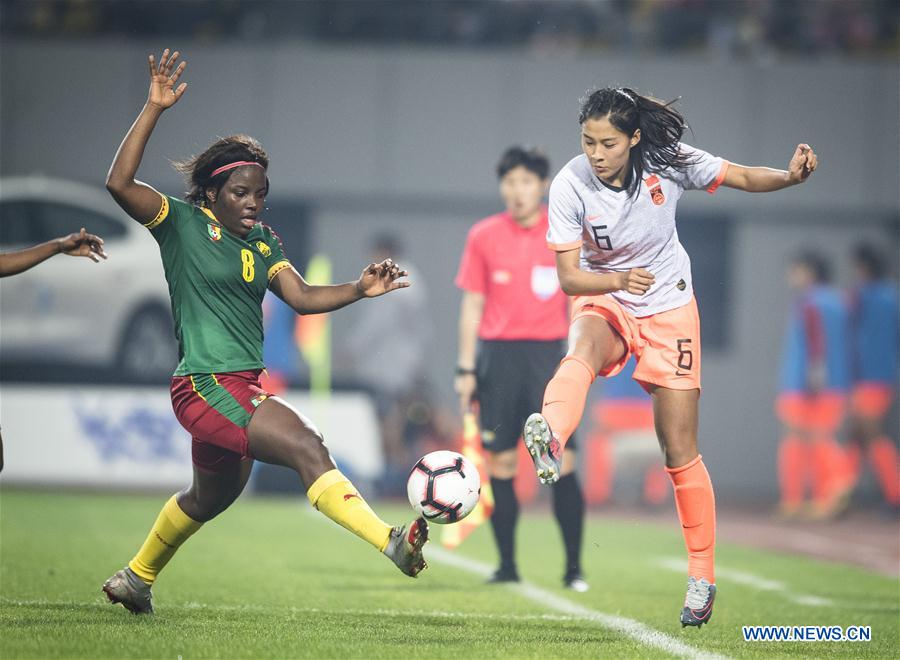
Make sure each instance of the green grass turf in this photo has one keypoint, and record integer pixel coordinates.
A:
(269, 579)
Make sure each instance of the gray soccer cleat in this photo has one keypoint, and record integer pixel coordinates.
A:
(698, 602)
(404, 547)
(127, 588)
(543, 447)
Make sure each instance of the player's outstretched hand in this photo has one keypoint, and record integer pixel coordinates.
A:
(803, 163)
(636, 281)
(83, 244)
(163, 93)
(378, 279)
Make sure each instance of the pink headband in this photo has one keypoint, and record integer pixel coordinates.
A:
(231, 166)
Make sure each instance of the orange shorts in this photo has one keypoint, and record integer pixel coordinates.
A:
(871, 400)
(822, 411)
(666, 346)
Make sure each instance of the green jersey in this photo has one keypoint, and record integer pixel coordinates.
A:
(217, 282)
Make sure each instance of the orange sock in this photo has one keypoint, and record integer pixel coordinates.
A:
(792, 464)
(883, 457)
(829, 469)
(696, 506)
(565, 396)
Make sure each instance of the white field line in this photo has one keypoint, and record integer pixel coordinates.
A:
(101, 603)
(753, 581)
(619, 624)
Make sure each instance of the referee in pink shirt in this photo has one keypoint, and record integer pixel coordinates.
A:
(513, 321)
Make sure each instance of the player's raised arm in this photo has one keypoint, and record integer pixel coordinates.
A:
(139, 200)
(81, 244)
(765, 179)
(305, 298)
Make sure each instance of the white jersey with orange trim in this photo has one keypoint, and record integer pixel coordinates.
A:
(617, 231)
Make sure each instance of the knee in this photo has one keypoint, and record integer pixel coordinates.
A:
(308, 447)
(504, 464)
(679, 448)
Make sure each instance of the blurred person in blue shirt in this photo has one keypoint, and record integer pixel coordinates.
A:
(815, 380)
(875, 344)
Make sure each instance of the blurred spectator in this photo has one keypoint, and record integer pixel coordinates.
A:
(815, 378)
(757, 29)
(625, 440)
(875, 328)
(388, 349)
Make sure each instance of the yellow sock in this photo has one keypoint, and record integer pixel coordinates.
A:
(172, 528)
(334, 495)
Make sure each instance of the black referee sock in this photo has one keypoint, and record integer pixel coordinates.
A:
(568, 507)
(503, 521)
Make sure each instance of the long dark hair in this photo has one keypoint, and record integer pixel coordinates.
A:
(197, 169)
(661, 128)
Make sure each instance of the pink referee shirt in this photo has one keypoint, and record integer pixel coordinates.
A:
(516, 272)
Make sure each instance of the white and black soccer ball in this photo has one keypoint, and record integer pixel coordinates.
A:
(443, 487)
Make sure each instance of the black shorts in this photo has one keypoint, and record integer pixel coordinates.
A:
(511, 379)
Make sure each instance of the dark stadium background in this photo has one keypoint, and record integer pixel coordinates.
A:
(391, 116)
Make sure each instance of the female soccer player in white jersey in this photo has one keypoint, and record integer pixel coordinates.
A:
(612, 226)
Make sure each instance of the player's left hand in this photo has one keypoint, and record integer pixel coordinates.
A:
(83, 244)
(378, 279)
(803, 163)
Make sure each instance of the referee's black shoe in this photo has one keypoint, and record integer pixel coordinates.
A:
(503, 575)
(576, 582)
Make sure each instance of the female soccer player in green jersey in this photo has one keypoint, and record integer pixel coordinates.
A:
(219, 261)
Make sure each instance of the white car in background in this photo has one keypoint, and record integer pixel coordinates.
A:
(114, 315)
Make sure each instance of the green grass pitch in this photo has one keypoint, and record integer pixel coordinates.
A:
(270, 578)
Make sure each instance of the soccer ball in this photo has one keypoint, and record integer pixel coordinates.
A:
(443, 487)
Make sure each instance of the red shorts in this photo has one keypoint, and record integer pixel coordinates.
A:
(666, 346)
(871, 400)
(822, 411)
(215, 409)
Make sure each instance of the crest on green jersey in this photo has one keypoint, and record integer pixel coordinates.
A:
(264, 249)
(215, 232)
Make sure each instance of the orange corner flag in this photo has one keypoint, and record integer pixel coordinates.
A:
(453, 535)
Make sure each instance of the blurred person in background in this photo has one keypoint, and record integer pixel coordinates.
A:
(815, 379)
(512, 322)
(624, 439)
(219, 262)
(81, 244)
(388, 347)
(875, 345)
(612, 225)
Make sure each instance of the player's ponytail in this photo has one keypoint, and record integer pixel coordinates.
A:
(198, 170)
(661, 128)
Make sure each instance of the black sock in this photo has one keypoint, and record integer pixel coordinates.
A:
(568, 507)
(503, 521)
